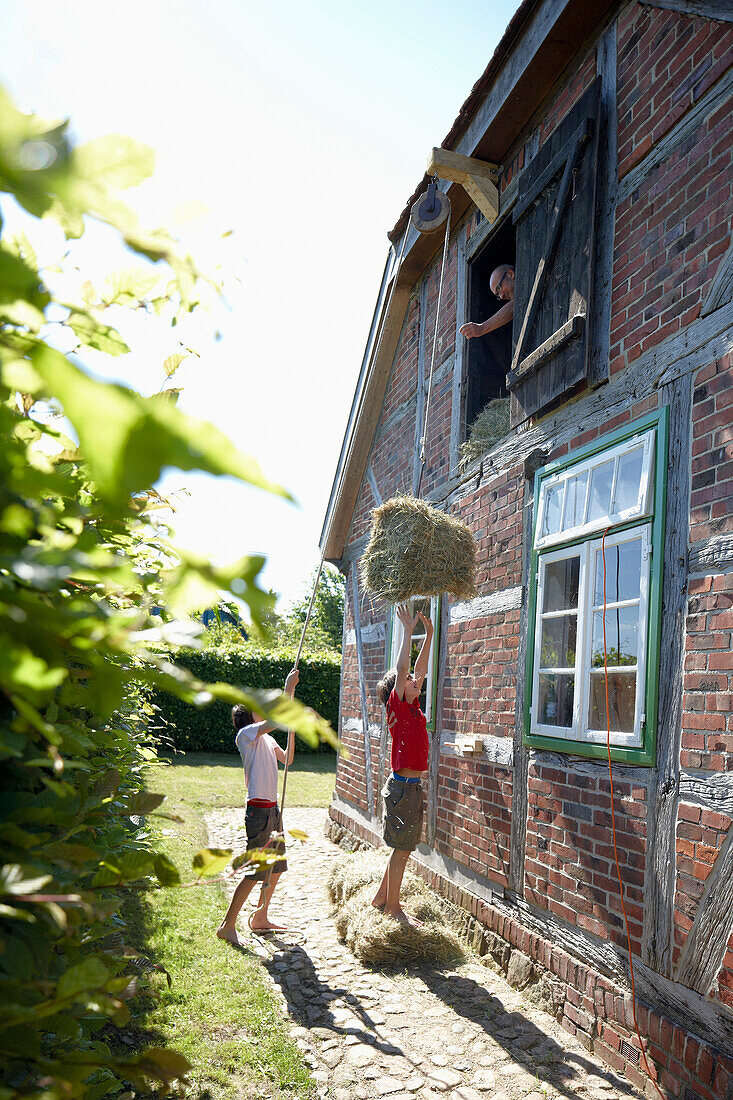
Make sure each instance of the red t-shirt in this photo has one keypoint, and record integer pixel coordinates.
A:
(409, 730)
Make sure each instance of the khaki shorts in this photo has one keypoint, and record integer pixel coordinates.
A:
(260, 822)
(403, 814)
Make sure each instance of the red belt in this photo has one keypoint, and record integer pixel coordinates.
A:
(260, 802)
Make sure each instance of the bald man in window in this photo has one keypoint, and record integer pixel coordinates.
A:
(501, 284)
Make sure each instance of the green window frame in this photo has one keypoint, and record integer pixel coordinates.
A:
(571, 634)
(428, 605)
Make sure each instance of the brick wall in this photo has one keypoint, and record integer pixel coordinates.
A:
(672, 230)
(666, 62)
(671, 233)
(570, 869)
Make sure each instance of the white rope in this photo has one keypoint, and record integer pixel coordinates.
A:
(432, 357)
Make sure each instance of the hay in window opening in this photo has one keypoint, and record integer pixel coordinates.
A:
(416, 550)
(377, 940)
(491, 425)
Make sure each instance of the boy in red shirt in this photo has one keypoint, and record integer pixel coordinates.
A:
(403, 794)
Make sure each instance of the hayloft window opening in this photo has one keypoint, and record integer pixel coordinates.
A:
(430, 606)
(619, 489)
(488, 357)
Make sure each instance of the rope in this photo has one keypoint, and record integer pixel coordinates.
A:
(652, 1077)
(432, 357)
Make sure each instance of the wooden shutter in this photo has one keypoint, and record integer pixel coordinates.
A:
(555, 219)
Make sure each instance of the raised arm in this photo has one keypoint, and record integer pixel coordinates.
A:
(421, 664)
(502, 317)
(403, 658)
(291, 682)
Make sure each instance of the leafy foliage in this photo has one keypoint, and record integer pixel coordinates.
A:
(83, 557)
(209, 729)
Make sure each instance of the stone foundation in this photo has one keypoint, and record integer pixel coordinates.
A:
(586, 1003)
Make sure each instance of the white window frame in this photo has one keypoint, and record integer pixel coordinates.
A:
(641, 508)
(584, 639)
(396, 632)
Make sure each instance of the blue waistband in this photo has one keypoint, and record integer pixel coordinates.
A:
(406, 778)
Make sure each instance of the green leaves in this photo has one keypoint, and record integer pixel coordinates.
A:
(114, 160)
(90, 974)
(127, 440)
(209, 861)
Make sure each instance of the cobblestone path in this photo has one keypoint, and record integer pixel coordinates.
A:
(462, 1034)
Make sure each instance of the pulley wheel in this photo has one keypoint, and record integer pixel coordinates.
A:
(430, 210)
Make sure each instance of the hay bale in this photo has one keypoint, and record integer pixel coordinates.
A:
(380, 942)
(491, 425)
(416, 550)
(377, 940)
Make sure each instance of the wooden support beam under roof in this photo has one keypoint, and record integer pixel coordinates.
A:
(478, 178)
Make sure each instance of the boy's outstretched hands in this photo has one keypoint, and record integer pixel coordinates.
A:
(408, 621)
(291, 682)
(427, 622)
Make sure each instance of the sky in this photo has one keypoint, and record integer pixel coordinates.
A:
(288, 138)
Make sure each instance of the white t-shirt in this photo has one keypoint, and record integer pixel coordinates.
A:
(260, 763)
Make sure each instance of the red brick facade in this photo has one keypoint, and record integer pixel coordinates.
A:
(672, 230)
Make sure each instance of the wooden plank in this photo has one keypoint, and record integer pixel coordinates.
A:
(454, 166)
(721, 288)
(518, 830)
(661, 820)
(711, 555)
(537, 358)
(713, 790)
(596, 769)
(704, 949)
(600, 297)
(485, 195)
(660, 153)
(549, 248)
(459, 360)
(435, 737)
(507, 599)
(373, 485)
(708, 1022)
(480, 886)
(362, 688)
(704, 9)
(557, 163)
(421, 386)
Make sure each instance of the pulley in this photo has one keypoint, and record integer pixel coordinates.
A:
(430, 210)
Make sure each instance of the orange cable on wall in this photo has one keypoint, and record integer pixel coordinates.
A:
(652, 1077)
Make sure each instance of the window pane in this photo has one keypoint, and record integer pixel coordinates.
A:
(623, 572)
(575, 500)
(622, 634)
(628, 480)
(553, 509)
(555, 704)
(558, 642)
(621, 701)
(561, 584)
(600, 491)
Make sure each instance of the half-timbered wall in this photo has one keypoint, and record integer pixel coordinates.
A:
(522, 836)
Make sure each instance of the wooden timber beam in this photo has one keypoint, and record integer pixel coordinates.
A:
(477, 177)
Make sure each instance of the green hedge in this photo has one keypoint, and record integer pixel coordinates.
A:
(209, 728)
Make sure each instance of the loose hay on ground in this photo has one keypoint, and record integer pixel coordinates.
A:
(416, 550)
(377, 940)
(491, 425)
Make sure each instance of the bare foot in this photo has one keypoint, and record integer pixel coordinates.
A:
(400, 915)
(378, 902)
(263, 926)
(228, 934)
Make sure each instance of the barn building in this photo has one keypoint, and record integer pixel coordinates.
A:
(594, 155)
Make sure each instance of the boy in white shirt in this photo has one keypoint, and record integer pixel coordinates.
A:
(260, 755)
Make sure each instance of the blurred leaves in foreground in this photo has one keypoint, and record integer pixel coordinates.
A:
(85, 558)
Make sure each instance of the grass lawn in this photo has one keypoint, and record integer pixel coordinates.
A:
(219, 1012)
